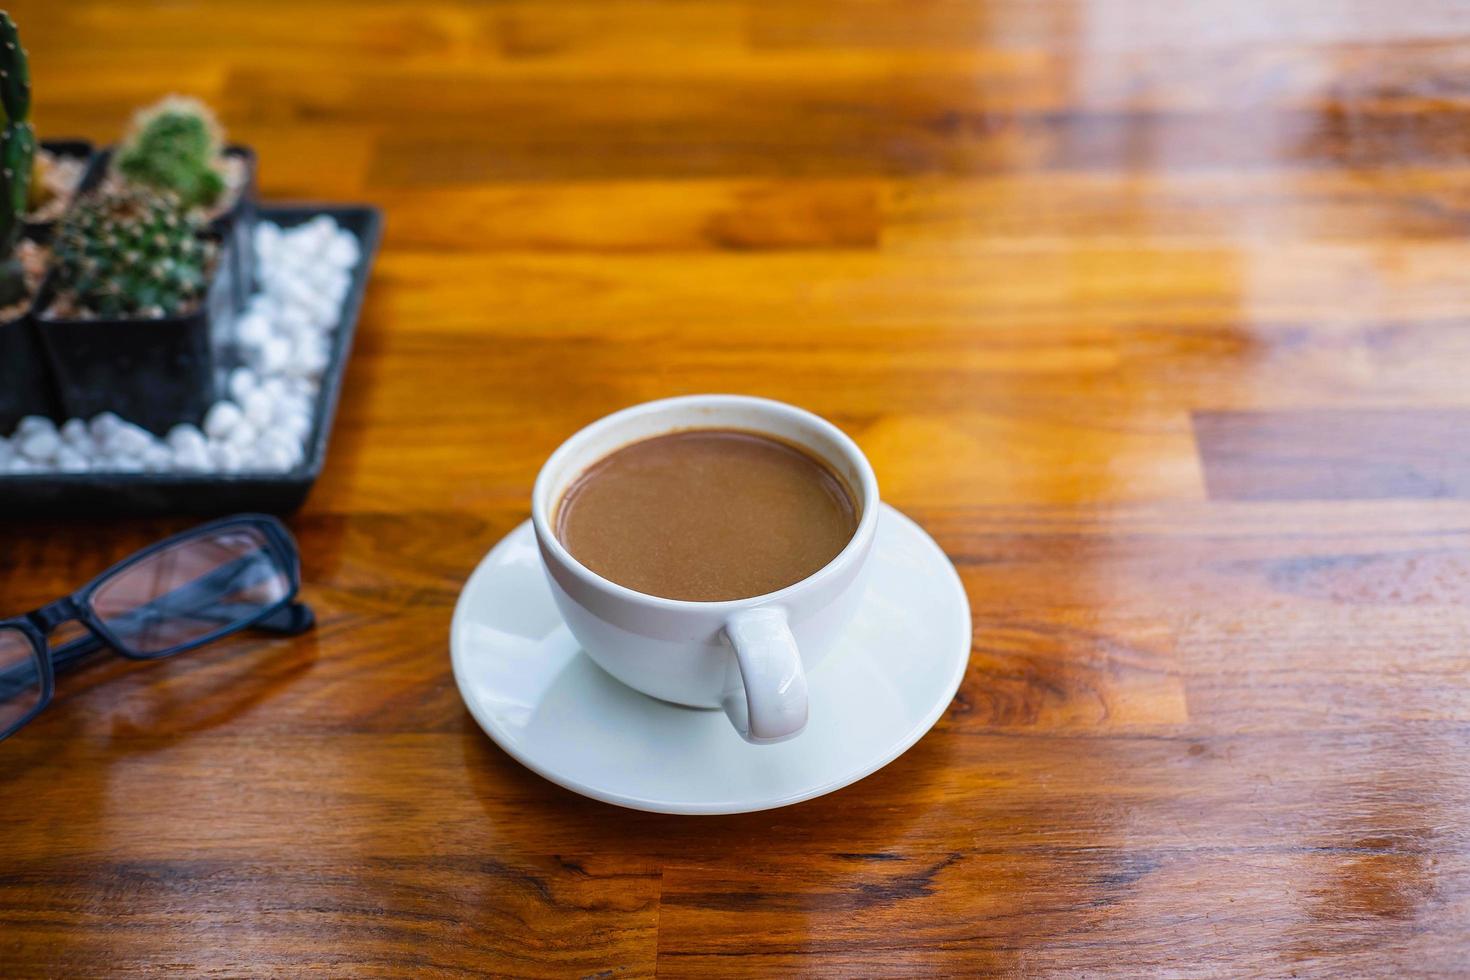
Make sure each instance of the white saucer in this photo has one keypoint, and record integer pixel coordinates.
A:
(546, 703)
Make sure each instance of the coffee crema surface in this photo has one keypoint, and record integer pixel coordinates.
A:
(706, 515)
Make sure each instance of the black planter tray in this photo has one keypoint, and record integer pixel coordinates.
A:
(117, 494)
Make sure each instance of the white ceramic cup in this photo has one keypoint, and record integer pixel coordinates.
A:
(750, 656)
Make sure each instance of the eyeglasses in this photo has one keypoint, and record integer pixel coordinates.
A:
(179, 594)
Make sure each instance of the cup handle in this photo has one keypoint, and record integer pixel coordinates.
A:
(765, 687)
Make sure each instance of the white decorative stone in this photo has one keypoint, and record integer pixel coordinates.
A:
(185, 436)
(252, 328)
(103, 425)
(225, 456)
(71, 460)
(298, 292)
(275, 457)
(275, 388)
(221, 418)
(123, 464)
(32, 424)
(192, 456)
(292, 402)
(242, 435)
(295, 425)
(335, 285)
(343, 251)
(157, 457)
(293, 320)
(309, 357)
(40, 445)
(325, 311)
(128, 440)
(273, 355)
(74, 433)
(242, 382)
(259, 407)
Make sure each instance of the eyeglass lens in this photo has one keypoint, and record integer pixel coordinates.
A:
(191, 590)
(20, 678)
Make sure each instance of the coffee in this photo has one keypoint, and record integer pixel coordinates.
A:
(706, 514)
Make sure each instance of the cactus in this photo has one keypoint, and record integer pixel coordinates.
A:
(175, 146)
(41, 191)
(17, 155)
(135, 252)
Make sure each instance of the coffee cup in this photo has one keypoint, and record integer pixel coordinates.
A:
(750, 657)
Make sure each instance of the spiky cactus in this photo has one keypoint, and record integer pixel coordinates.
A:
(135, 252)
(17, 154)
(174, 145)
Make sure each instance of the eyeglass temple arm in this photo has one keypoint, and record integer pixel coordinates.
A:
(289, 620)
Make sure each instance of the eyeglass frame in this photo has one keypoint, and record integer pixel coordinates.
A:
(285, 615)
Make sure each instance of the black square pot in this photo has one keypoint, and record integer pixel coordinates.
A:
(237, 224)
(25, 379)
(42, 231)
(156, 373)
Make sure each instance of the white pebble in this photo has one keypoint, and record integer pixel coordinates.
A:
(308, 357)
(335, 286)
(192, 456)
(32, 424)
(221, 418)
(343, 251)
(242, 435)
(298, 290)
(74, 433)
(242, 382)
(317, 232)
(252, 329)
(40, 446)
(259, 407)
(7, 452)
(294, 427)
(20, 464)
(103, 425)
(273, 355)
(70, 460)
(293, 320)
(293, 445)
(273, 457)
(292, 403)
(323, 276)
(128, 440)
(226, 457)
(157, 457)
(122, 464)
(185, 435)
(324, 312)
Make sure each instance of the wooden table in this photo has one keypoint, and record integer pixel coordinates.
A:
(1156, 316)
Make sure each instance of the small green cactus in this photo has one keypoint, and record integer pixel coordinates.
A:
(131, 253)
(174, 145)
(17, 157)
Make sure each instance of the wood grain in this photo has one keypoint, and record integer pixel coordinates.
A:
(1154, 316)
